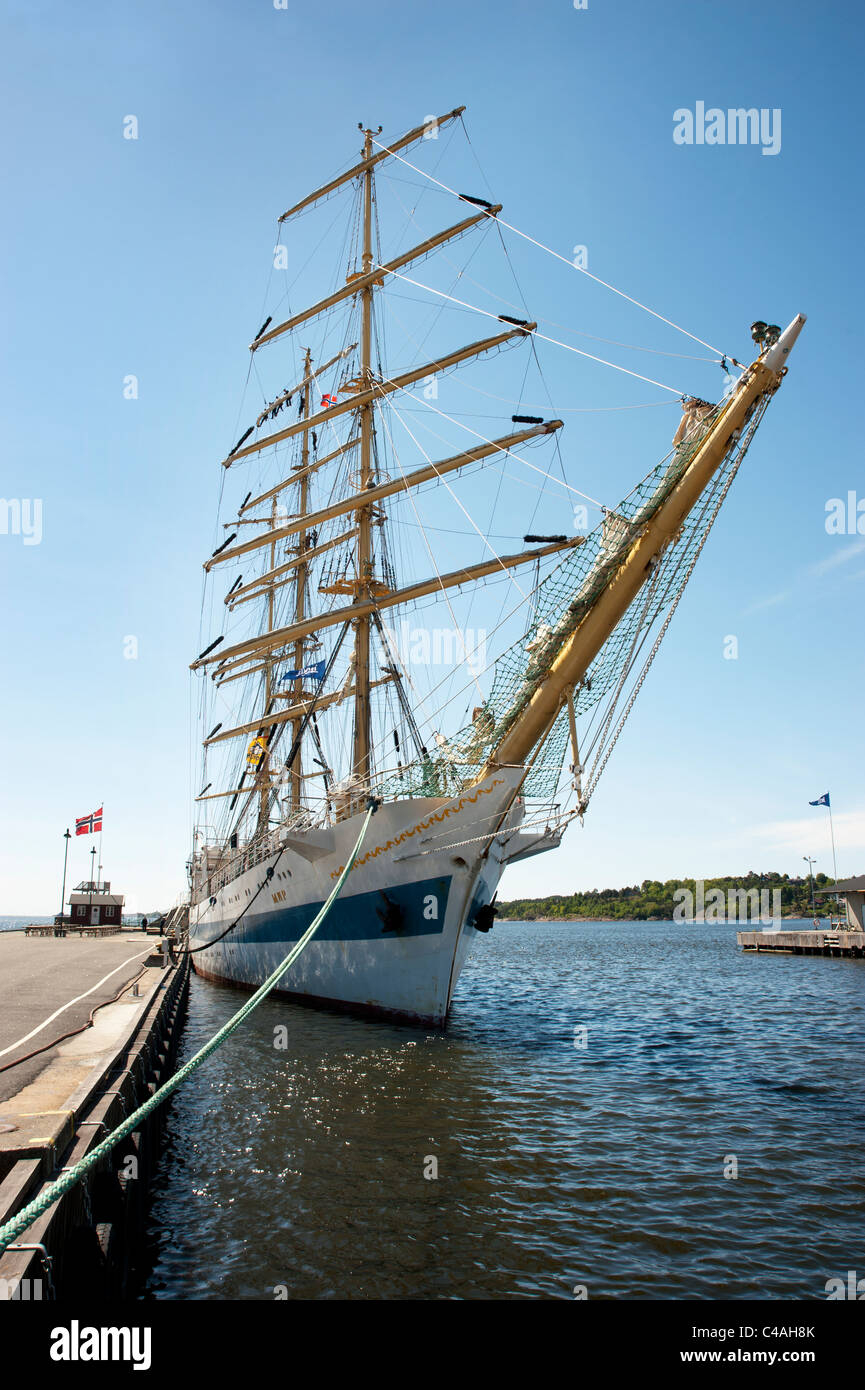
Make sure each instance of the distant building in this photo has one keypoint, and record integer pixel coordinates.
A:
(94, 905)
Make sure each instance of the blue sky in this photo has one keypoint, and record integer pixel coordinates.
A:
(151, 257)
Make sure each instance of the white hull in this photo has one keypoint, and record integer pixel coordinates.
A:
(397, 937)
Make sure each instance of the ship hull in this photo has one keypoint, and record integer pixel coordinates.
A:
(398, 935)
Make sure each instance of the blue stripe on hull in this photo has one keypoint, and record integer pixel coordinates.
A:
(362, 917)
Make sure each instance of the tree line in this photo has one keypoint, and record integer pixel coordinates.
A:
(652, 900)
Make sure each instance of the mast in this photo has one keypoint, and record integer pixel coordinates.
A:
(300, 589)
(263, 770)
(264, 779)
(361, 750)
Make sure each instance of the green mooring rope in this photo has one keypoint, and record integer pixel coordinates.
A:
(28, 1214)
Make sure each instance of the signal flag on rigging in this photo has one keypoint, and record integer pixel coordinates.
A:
(315, 671)
(89, 825)
(255, 752)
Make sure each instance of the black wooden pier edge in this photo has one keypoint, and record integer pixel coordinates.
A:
(92, 1238)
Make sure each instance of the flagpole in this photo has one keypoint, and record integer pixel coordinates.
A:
(101, 823)
(826, 800)
(832, 833)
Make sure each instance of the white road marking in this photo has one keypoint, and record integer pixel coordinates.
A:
(77, 999)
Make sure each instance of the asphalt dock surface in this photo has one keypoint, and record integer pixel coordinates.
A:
(49, 987)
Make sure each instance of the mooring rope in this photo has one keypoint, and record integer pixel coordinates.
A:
(34, 1209)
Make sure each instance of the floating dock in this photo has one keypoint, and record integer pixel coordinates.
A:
(89, 1028)
(804, 943)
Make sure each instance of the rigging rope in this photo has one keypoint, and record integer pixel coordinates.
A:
(487, 313)
(581, 333)
(564, 596)
(491, 548)
(55, 1190)
(559, 257)
(430, 552)
(560, 482)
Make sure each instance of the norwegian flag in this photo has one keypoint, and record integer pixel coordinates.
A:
(327, 402)
(89, 825)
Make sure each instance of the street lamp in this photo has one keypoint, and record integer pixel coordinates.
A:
(811, 862)
(67, 837)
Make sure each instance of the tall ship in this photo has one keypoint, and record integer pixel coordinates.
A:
(366, 633)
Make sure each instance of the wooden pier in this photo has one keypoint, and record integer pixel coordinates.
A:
(837, 942)
(89, 1029)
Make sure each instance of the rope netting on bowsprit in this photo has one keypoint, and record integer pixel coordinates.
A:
(562, 602)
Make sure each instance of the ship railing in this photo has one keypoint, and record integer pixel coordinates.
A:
(246, 858)
(256, 851)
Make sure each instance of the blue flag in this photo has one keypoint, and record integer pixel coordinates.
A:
(821, 800)
(315, 672)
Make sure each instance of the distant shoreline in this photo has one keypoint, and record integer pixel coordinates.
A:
(743, 922)
(746, 897)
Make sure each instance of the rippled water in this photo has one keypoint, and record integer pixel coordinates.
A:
(19, 923)
(302, 1170)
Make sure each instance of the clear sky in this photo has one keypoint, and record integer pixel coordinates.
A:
(150, 257)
